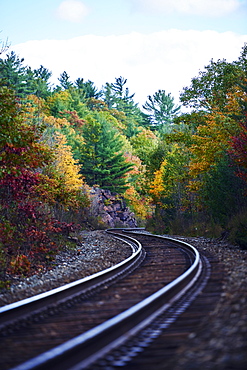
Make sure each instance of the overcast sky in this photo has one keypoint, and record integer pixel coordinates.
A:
(154, 44)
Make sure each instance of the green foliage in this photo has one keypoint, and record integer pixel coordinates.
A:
(156, 157)
(144, 143)
(189, 169)
(196, 184)
(101, 159)
(64, 81)
(168, 188)
(223, 193)
(87, 90)
(117, 96)
(59, 102)
(160, 223)
(162, 109)
(212, 86)
(22, 79)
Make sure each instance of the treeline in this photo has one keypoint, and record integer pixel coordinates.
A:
(180, 173)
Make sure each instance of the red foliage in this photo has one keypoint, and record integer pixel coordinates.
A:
(73, 118)
(238, 150)
(17, 184)
(29, 235)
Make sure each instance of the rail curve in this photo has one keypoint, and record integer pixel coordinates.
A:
(86, 349)
(21, 310)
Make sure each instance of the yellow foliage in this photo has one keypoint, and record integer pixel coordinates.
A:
(57, 123)
(33, 111)
(236, 96)
(139, 204)
(66, 165)
(157, 186)
(62, 98)
(211, 141)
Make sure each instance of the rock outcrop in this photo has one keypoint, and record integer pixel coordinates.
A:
(111, 209)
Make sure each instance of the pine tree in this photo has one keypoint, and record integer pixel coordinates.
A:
(23, 79)
(13, 73)
(64, 80)
(102, 159)
(162, 109)
(87, 89)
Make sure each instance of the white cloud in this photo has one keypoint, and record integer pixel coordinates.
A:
(213, 8)
(163, 60)
(72, 10)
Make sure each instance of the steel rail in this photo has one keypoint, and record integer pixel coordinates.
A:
(83, 350)
(22, 309)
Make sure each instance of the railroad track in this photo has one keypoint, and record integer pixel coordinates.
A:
(107, 320)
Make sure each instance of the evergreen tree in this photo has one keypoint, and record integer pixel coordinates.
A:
(64, 80)
(87, 89)
(120, 90)
(109, 97)
(23, 79)
(102, 159)
(41, 86)
(116, 96)
(12, 73)
(162, 109)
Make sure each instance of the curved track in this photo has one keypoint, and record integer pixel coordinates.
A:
(130, 313)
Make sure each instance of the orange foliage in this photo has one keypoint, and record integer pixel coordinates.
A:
(210, 142)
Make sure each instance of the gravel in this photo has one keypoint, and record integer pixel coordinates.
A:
(220, 343)
(97, 251)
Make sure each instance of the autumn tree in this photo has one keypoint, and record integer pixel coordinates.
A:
(25, 226)
(65, 164)
(29, 233)
(215, 125)
(238, 142)
(211, 88)
(137, 199)
(168, 187)
(70, 191)
(144, 144)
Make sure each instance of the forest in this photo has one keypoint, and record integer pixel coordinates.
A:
(180, 173)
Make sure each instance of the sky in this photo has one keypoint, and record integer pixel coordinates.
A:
(154, 44)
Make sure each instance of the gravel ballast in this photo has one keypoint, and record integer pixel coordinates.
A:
(220, 342)
(97, 251)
